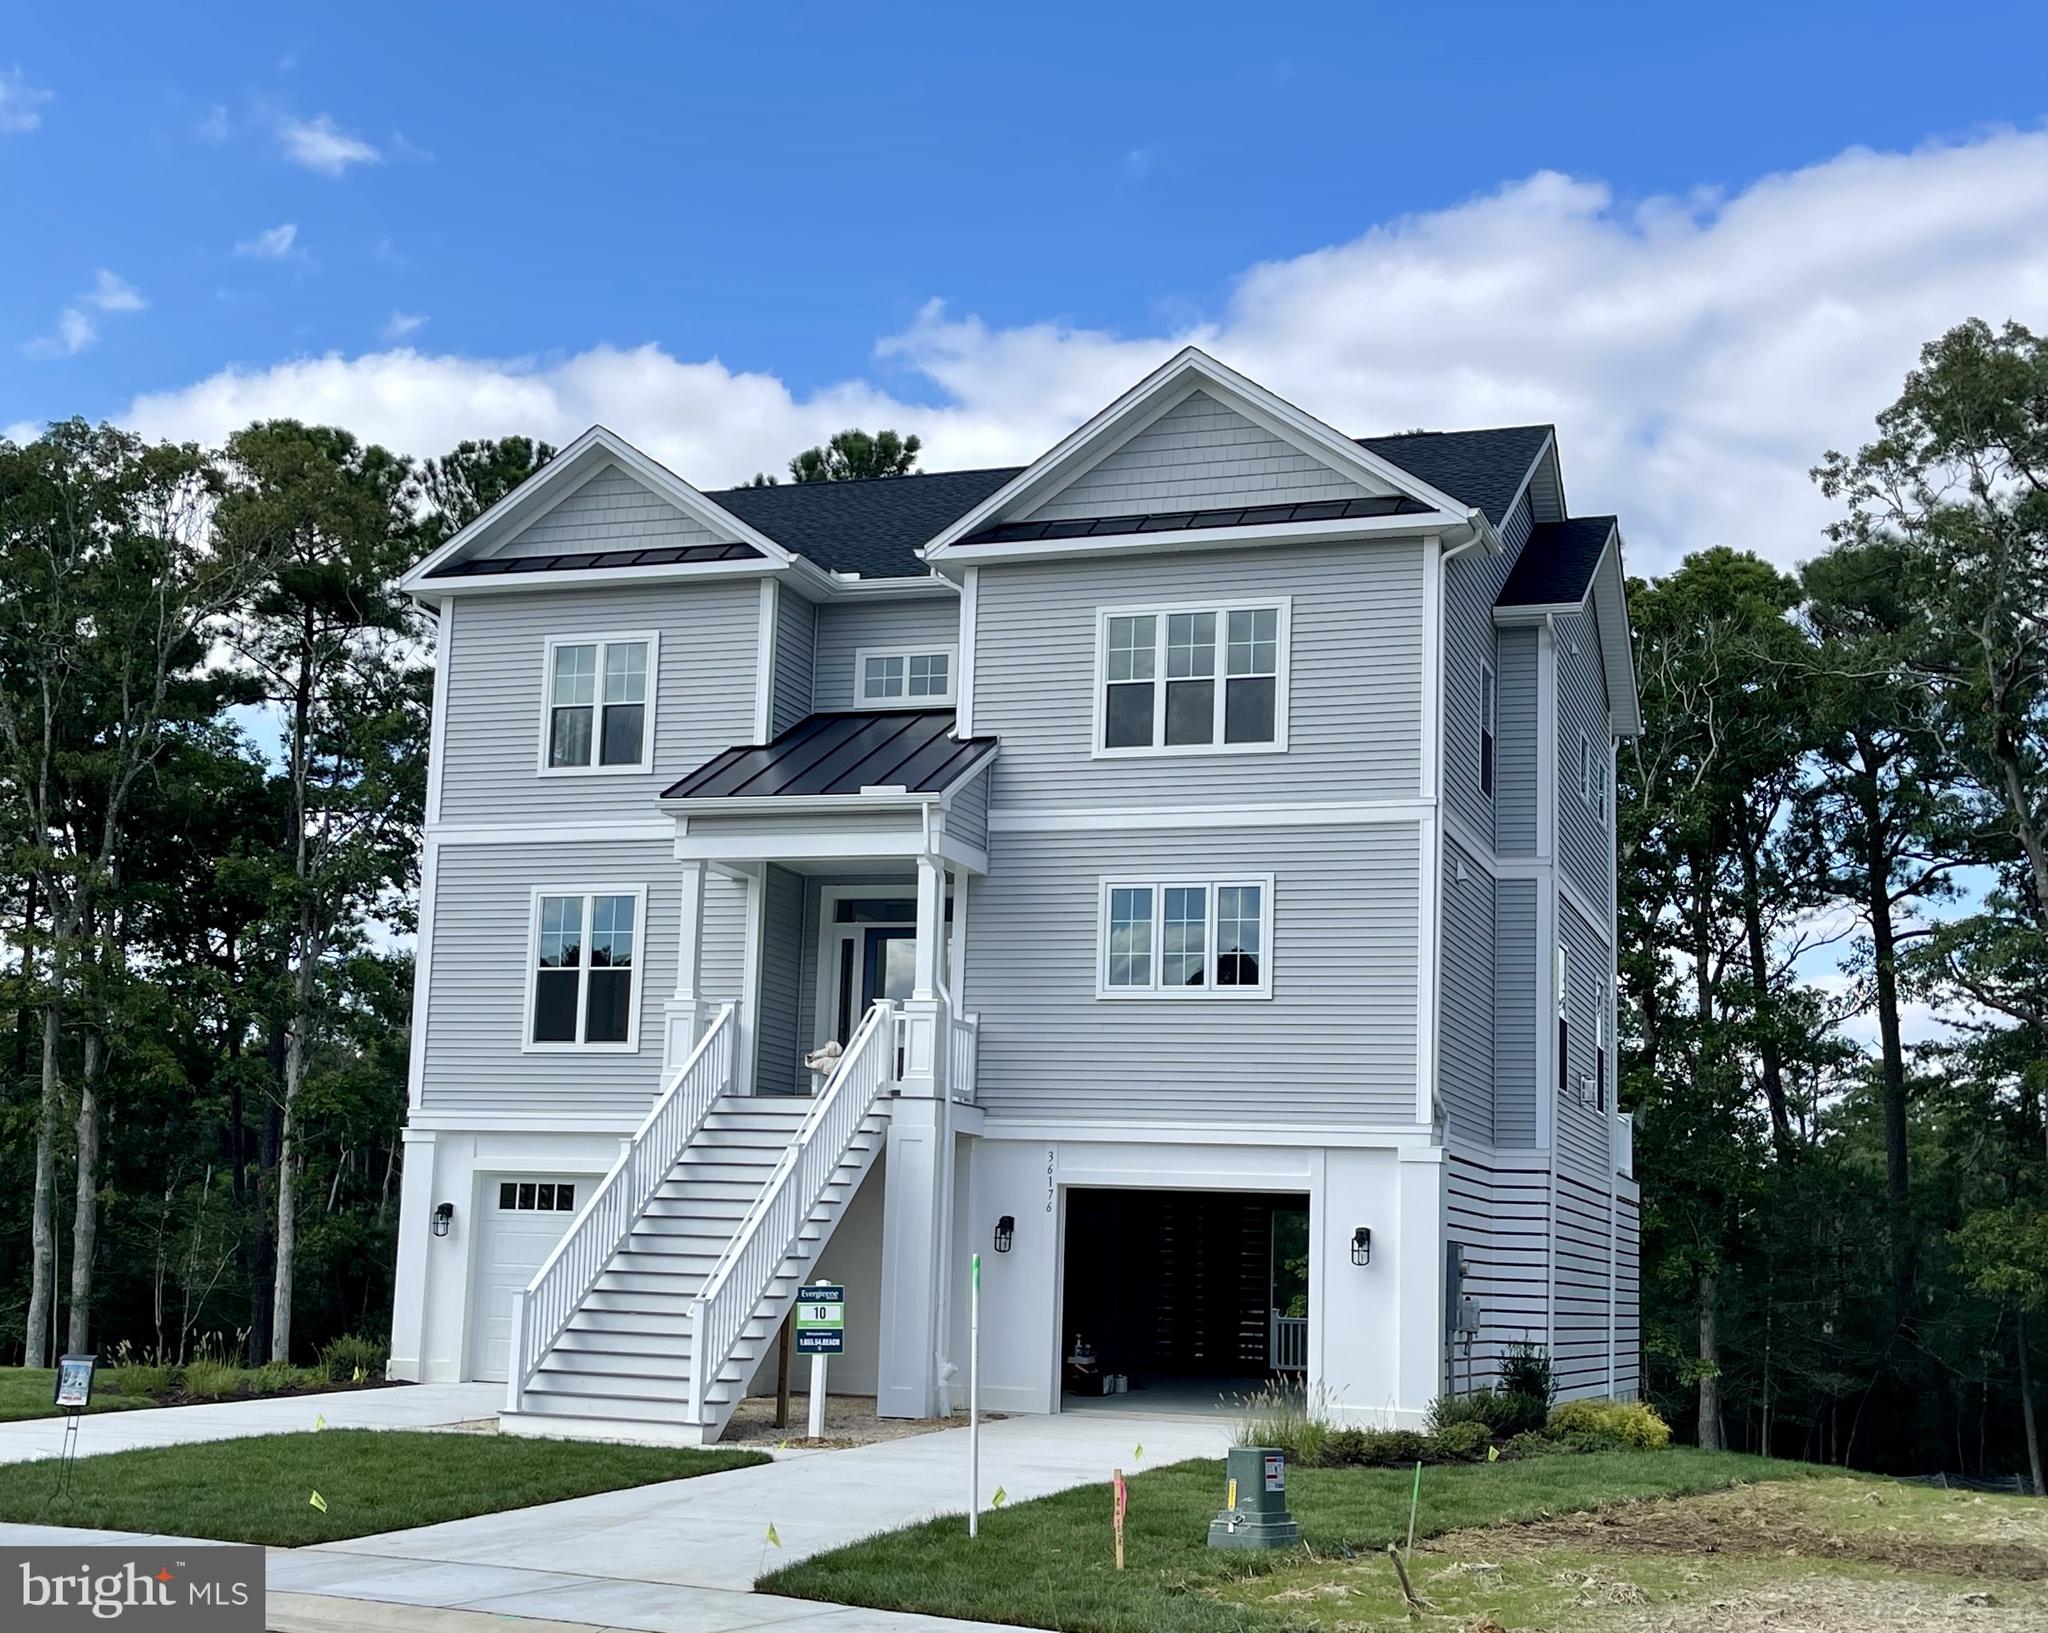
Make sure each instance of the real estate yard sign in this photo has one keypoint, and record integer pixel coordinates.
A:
(821, 1319)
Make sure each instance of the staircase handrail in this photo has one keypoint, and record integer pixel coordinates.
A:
(773, 1223)
(542, 1310)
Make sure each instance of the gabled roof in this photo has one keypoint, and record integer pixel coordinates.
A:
(1486, 469)
(903, 751)
(1557, 563)
(874, 527)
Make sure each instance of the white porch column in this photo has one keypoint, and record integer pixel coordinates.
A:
(920, 1153)
(956, 942)
(683, 1014)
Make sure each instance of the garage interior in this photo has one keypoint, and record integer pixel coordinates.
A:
(1196, 1298)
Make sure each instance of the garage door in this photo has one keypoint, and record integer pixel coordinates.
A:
(522, 1220)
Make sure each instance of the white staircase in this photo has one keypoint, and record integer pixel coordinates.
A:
(649, 1319)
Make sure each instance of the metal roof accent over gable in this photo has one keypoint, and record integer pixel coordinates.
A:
(655, 556)
(1557, 563)
(912, 751)
(1308, 510)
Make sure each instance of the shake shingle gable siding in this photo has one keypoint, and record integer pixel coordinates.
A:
(1556, 565)
(842, 753)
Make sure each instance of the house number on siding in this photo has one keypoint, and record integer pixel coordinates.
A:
(1052, 1153)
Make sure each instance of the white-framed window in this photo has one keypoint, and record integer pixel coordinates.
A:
(1170, 937)
(1600, 1047)
(535, 1196)
(1586, 767)
(1564, 1025)
(583, 962)
(906, 677)
(1489, 726)
(598, 703)
(1205, 678)
(1600, 786)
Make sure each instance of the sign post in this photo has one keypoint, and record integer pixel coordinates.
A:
(73, 1394)
(820, 1331)
(974, 1401)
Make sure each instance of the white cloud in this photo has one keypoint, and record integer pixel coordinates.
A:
(214, 126)
(76, 328)
(1698, 353)
(401, 324)
(321, 145)
(21, 104)
(272, 244)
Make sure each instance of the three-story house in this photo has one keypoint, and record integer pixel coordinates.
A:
(1180, 871)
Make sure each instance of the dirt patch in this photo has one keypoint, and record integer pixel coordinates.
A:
(1831, 1604)
(849, 1421)
(1945, 1534)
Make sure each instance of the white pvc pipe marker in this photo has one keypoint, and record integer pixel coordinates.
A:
(974, 1401)
(817, 1397)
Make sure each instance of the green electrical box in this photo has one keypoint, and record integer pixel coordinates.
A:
(1254, 1502)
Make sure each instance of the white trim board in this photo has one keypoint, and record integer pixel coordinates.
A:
(1113, 819)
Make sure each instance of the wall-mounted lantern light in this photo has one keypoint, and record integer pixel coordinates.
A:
(444, 1216)
(1361, 1245)
(1006, 1233)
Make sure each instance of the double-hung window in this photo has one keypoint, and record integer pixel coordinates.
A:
(1489, 725)
(1174, 937)
(1202, 679)
(600, 704)
(907, 677)
(583, 969)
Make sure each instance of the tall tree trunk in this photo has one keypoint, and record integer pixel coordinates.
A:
(2027, 1411)
(43, 1222)
(1710, 1365)
(1892, 1066)
(1769, 1048)
(287, 1191)
(85, 1210)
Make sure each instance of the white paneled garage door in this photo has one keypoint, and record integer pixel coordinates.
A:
(521, 1221)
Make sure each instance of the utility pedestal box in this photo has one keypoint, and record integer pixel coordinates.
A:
(1255, 1502)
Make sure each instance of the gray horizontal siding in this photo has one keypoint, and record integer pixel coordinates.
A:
(1198, 453)
(1465, 1045)
(1628, 1331)
(796, 637)
(1354, 696)
(493, 658)
(1517, 1003)
(967, 818)
(1584, 1143)
(1584, 1292)
(1471, 584)
(1334, 1044)
(1582, 843)
(609, 511)
(1514, 789)
(476, 1003)
(1497, 1214)
(844, 628)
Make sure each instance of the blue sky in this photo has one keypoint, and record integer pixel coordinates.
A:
(780, 186)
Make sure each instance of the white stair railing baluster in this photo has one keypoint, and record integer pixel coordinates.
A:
(543, 1311)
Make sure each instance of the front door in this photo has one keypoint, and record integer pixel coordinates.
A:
(887, 955)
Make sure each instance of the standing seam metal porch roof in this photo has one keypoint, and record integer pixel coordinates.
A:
(842, 753)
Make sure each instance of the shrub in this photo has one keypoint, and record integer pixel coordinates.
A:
(341, 1358)
(1296, 1421)
(1631, 1423)
(1525, 1370)
(1447, 1411)
(1461, 1441)
(139, 1380)
(209, 1380)
(1502, 1414)
(1374, 1448)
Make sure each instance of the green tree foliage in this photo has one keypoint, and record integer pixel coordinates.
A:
(850, 455)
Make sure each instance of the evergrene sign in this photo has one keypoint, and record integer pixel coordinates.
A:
(165, 1587)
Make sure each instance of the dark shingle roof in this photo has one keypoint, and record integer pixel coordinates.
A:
(873, 527)
(1556, 566)
(576, 560)
(1483, 468)
(842, 753)
(1180, 521)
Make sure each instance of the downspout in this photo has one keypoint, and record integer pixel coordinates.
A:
(942, 1118)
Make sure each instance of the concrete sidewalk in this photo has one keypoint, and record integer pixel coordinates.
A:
(681, 1557)
(402, 1406)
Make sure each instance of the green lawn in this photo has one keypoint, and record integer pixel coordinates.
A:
(1048, 1563)
(25, 1393)
(260, 1489)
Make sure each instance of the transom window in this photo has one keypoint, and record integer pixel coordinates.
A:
(583, 970)
(1185, 938)
(905, 677)
(600, 704)
(1187, 680)
(535, 1196)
